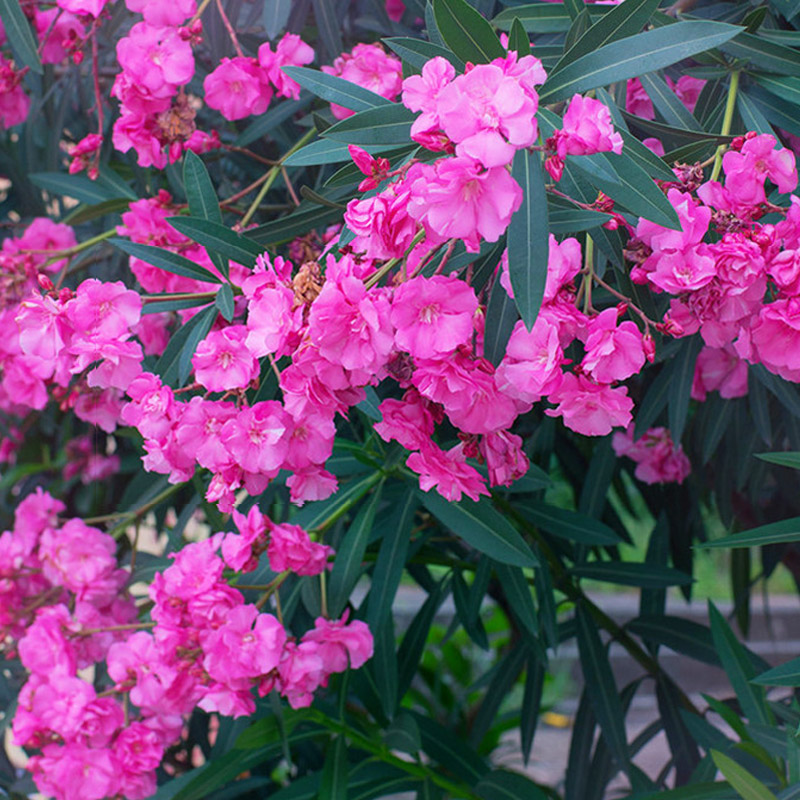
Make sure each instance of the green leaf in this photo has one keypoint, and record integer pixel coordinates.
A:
(748, 786)
(775, 109)
(631, 186)
(739, 669)
(631, 574)
(620, 22)
(203, 201)
(86, 213)
(528, 241)
(781, 459)
(644, 157)
(699, 791)
(403, 734)
(635, 55)
(77, 186)
(336, 90)
(298, 223)
(166, 260)
(784, 391)
(681, 743)
(668, 104)
(681, 386)
(788, 89)
(266, 123)
(450, 750)
(19, 35)
(531, 703)
(566, 524)
(466, 32)
(573, 220)
(542, 17)
(184, 340)
(578, 777)
(375, 126)
(224, 302)
(574, 8)
(333, 784)
(328, 27)
(787, 674)
(275, 16)
(501, 317)
(469, 621)
(784, 532)
(482, 527)
(327, 151)
(681, 635)
(594, 491)
(518, 39)
(655, 401)
(718, 413)
(163, 303)
(518, 593)
(318, 514)
(769, 56)
(217, 237)
(413, 645)
(601, 687)
(503, 785)
(418, 52)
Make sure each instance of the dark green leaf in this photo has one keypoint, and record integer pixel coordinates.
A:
(775, 109)
(783, 532)
(403, 734)
(739, 669)
(501, 317)
(375, 126)
(528, 242)
(333, 784)
(77, 186)
(503, 785)
(700, 791)
(450, 751)
(681, 635)
(620, 22)
(769, 56)
(299, 223)
(547, 605)
(631, 574)
(413, 644)
(600, 686)
(163, 303)
(19, 35)
(336, 90)
(275, 16)
(329, 27)
(574, 8)
(318, 514)
(573, 220)
(327, 151)
(266, 123)
(787, 674)
(531, 702)
(184, 340)
(644, 157)
(466, 32)
(717, 419)
(518, 593)
(224, 302)
(567, 524)
(86, 213)
(166, 260)
(217, 237)
(681, 386)
(468, 618)
(578, 774)
(482, 527)
(542, 17)
(580, 25)
(684, 749)
(592, 499)
(747, 785)
(418, 52)
(518, 39)
(781, 459)
(667, 103)
(784, 391)
(655, 401)
(203, 201)
(635, 55)
(788, 89)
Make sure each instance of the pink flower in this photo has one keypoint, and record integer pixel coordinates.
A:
(775, 337)
(719, 369)
(658, 459)
(637, 101)
(455, 198)
(587, 129)
(433, 316)
(448, 472)
(421, 92)
(14, 103)
(75, 772)
(504, 457)
(407, 421)
(487, 114)
(237, 88)
(222, 361)
(381, 223)
(292, 51)
(746, 171)
(300, 672)
(369, 66)
(290, 548)
(613, 352)
(589, 408)
(688, 89)
(341, 644)
(258, 437)
(161, 14)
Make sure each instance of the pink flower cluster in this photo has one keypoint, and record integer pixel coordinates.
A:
(741, 292)
(64, 609)
(658, 459)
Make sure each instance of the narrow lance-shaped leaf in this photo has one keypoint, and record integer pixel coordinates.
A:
(217, 237)
(634, 56)
(746, 784)
(518, 39)
(466, 32)
(336, 90)
(166, 260)
(528, 238)
(19, 35)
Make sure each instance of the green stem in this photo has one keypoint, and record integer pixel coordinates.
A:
(589, 274)
(393, 262)
(139, 512)
(726, 123)
(78, 248)
(271, 176)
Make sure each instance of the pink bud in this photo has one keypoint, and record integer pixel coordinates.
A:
(555, 167)
(649, 348)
